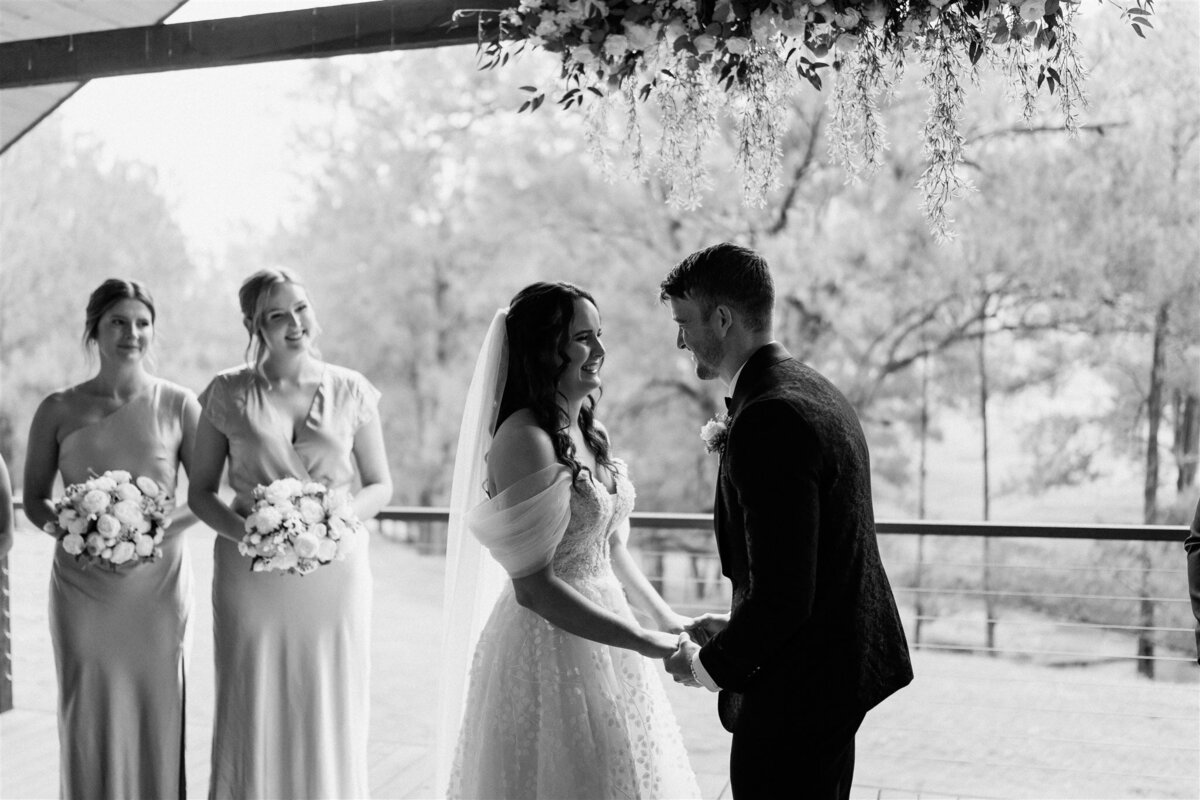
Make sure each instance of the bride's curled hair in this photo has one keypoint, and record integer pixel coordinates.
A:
(538, 328)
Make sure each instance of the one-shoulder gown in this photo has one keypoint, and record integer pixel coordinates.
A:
(121, 637)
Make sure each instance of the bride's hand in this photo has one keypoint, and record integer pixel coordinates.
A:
(658, 644)
(674, 623)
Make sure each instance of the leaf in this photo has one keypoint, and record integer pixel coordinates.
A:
(532, 89)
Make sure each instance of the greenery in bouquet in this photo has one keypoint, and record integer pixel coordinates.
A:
(112, 519)
(698, 58)
(297, 526)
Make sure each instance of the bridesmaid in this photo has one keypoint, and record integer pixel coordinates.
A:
(120, 637)
(292, 652)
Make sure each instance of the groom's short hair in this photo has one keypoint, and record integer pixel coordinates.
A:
(725, 274)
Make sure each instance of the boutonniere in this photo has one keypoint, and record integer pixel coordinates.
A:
(715, 432)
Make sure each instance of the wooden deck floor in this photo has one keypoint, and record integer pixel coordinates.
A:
(406, 638)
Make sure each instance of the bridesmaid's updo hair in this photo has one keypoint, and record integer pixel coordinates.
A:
(107, 295)
(253, 296)
(539, 328)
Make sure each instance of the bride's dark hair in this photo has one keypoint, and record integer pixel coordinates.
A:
(538, 328)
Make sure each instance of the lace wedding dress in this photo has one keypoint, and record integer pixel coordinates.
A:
(550, 714)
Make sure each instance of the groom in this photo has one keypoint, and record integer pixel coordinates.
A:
(813, 640)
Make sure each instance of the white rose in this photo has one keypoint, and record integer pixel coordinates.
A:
(327, 550)
(583, 54)
(267, 519)
(737, 45)
(319, 530)
(849, 18)
(148, 486)
(306, 545)
(104, 484)
(120, 476)
(77, 526)
(158, 537)
(127, 491)
(106, 554)
(143, 525)
(66, 516)
(73, 543)
(704, 43)
(675, 29)
(144, 546)
(127, 512)
(95, 501)
(282, 491)
(94, 544)
(877, 12)
(311, 511)
(286, 560)
(641, 37)
(108, 525)
(260, 566)
(314, 489)
(1033, 10)
(531, 3)
(616, 46)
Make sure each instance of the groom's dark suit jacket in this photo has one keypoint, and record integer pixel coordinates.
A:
(814, 625)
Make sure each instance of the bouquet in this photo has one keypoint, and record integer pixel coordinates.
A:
(112, 519)
(296, 527)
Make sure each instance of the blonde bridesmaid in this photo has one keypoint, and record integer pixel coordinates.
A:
(292, 652)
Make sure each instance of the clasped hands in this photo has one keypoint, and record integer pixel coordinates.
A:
(694, 634)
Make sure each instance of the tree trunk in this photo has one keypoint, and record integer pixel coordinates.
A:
(1187, 438)
(1145, 644)
(922, 472)
(989, 603)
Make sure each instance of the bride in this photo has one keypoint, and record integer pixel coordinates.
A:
(562, 701)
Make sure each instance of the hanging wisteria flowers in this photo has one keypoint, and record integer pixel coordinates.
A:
(695, 58)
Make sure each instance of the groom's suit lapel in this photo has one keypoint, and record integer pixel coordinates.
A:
(754, 379)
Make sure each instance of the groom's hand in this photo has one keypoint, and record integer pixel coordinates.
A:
(679, 663)
(705, 626)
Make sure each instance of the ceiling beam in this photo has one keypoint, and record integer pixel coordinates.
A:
(369, 27)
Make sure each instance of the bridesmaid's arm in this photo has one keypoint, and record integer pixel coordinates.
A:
(183, 516)
(371, 458)
(209, 453)
(41, 462)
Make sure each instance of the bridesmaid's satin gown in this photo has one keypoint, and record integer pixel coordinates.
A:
(292, 652)
(121, 638)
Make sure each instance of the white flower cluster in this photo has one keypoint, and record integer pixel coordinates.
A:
(296, 527)
(112, 519)
(714, 433)
(744, 57)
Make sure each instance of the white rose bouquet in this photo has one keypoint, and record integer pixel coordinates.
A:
(112, 519)
(296, 527)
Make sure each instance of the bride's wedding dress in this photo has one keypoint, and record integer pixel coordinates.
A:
(550, 714)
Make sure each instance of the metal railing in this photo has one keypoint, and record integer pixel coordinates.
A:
(1050, 660)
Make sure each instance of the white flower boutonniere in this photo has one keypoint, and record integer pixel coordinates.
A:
(715, 432)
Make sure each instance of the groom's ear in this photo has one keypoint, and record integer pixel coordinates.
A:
(723, 315)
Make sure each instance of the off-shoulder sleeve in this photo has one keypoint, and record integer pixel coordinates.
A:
(522, 526)
(214, 404)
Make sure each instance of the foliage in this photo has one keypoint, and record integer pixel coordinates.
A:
(699, 57)
(72, 217)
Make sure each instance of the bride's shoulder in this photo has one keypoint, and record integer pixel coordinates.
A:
(519, 449)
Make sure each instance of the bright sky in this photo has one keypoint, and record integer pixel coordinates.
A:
(216, 136)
